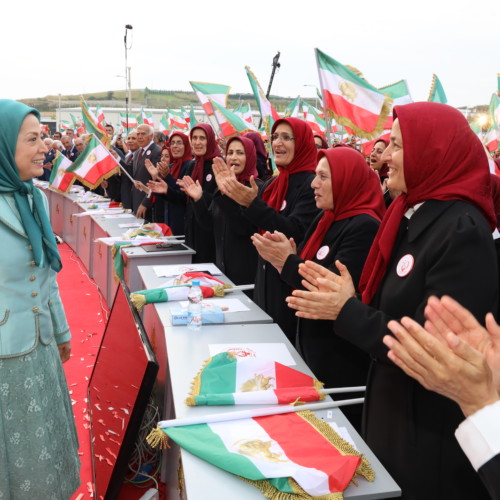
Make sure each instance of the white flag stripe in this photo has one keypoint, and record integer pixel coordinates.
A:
(314, 481)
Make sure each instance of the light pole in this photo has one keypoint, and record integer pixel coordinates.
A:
(59, 115)
(127, 72)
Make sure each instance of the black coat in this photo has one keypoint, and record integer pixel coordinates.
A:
(490, 475)
(294, 220)
(125, 183)
(199, 237)
(140, 172)
(235, 254)
(410, 429)
(332, 359)
(176, 201)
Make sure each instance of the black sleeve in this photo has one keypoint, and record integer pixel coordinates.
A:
(235, 219)
(490, 475)
(293, 223)
(202, 212)
(459, 261)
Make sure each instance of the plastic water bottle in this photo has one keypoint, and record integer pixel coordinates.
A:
(195, 298)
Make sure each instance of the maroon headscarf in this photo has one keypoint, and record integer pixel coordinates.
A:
(212, 151)
(260, 147)
(251, 158)
(443, 160)
(175, 167)
(304, 160)
(324, 144)
(355, 189)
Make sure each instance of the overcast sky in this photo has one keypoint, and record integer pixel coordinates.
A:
(77, 47)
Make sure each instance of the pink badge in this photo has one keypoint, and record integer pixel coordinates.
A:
(405, 265)
(322, 252)
(283, 206)
(208, 178)
(148, 152)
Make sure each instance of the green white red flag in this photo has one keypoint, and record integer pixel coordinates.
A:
(294, 455)
(145, 118)
(206, 91)
(101, 119)
(494, 111)
(227, 379)
(192, 118)
(94, 164)
(244, 111)
(66, 125)
(490, 139)
(293, 109)
(177, 120)
(311, 116)
(437, 93)
(350, 99)
(267, 111)
(229, 123)
(130, 124)
(91, 124)
(399, 92)
(164, 126)
(61, 180)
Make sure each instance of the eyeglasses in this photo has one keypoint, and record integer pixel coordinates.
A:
(176, 143)
(283, 137)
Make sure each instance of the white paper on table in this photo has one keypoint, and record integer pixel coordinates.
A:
(130, 225)
(273, 350)
(232, 305)
(119, 216)
(342, 432)
(101, 211)
(111, 240)
(175, 270)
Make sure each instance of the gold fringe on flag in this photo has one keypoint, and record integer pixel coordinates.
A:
(138, 300)
(157, 438)
(196, 385)
(103, 178)
(433, 86)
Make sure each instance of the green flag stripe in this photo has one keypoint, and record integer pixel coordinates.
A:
(219, 376)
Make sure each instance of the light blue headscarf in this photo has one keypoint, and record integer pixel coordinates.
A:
(36, 223)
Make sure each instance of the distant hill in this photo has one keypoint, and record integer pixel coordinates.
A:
(147, 98)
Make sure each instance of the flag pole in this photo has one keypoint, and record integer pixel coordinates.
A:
(259, 412)
(327, 116)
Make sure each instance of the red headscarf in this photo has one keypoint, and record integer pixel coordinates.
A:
(304, 160)
(443, 160)
(355, 189)
(175, 167)
(210, 154)
(324, 144)
(384, 169)
(251, 158)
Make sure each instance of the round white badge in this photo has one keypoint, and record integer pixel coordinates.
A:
(148, 152)
(405, 265)
(208, 178)
(283, 206)
(322, 252)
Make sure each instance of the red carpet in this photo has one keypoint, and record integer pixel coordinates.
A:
(87, 314)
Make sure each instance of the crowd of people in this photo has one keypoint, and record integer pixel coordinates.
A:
(380, 271)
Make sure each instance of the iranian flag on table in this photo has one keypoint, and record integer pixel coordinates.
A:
(130, 124)
(61, 180)
(94, 164)
(311, 116)
(215, 91)
(350, 99)
(226, 379)
(282, 455)
(229, 123)
(436, 93)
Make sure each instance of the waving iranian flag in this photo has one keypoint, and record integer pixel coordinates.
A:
(229, 122)
(61, 180)
(215, 91)
(351, 100)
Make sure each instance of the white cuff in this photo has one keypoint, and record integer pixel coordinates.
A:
(479, 435)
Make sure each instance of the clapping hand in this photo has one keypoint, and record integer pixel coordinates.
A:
(274, 247)
(191, 188)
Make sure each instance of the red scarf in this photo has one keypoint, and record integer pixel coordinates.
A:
(443, 160)
(175, 167)
(211, 152)
(304, 160)
(250, 161)
(355, 189)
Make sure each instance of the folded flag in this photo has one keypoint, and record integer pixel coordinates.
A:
(178, 289)
(60, 180)
(282, 455)
(226, 379)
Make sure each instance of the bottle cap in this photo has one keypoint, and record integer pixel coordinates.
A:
(195, 282)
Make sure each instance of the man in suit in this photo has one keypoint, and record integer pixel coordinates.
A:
(69, 150)
(147, 150)
(126, 186)
(460, 360)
